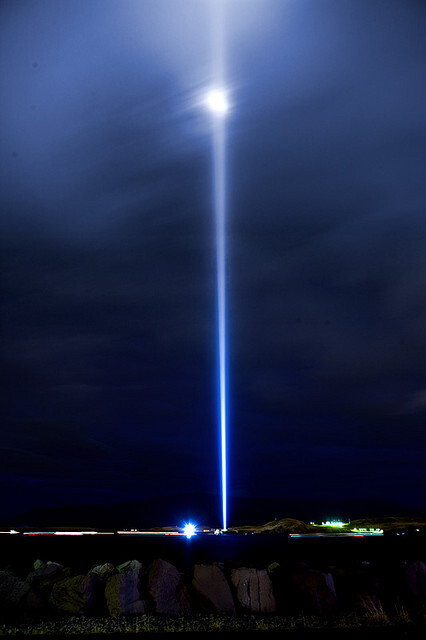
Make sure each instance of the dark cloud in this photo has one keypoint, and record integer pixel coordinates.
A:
(108, 289)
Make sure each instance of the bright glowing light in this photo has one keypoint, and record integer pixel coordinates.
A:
(189, 530)
(217, 102)
(334, 523)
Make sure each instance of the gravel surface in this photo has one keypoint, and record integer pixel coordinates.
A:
(81, 625)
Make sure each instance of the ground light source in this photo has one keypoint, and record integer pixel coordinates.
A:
(189, 530)
(217, 103)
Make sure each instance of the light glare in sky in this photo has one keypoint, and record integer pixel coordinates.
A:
(217, 102)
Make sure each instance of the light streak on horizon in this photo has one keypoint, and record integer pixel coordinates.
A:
(149, 533)
(339, 534)
(68, 533)
(11, 532)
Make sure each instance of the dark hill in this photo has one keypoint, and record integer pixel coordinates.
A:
(203, 509)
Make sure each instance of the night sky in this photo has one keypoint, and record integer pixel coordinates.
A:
(109, 374)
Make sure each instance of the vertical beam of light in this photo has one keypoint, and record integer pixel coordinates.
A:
(220, 211)
(218, 105)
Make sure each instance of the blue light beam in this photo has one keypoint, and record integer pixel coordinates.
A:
(217, 102)
(220, 212)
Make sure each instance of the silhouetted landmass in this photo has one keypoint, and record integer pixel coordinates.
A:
(204, 510)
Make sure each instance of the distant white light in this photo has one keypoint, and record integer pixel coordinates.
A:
(189, 530)
(217, 102)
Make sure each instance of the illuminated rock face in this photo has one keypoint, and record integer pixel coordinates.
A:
(314, 591)
(103, 571)
(45, 575)
(44, 572)
(254, 590)
(166, 588)
(75, 596)
(415, 580)
(123, 590)
(213, 590)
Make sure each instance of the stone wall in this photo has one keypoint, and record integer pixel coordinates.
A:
(50, 590)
